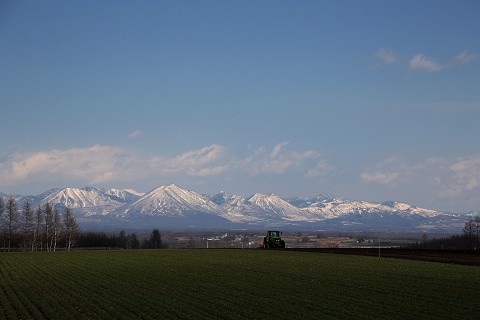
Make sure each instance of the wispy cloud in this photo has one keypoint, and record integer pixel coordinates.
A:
(466, 57)
(205, 161)
(380, 177)
(321, 169)
(91, 165)
(463, 176)
(386, 56)
(442, 180)
(420, 62)
(277, 161)
(387, 172)
(435, 178)
(135, 134)
(101, 164)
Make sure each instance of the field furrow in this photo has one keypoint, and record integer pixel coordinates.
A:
(230, 284)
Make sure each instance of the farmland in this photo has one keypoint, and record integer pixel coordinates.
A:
(231, 284)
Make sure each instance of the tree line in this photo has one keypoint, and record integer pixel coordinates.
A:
(43, 228)
(123, 240)
(468, 240)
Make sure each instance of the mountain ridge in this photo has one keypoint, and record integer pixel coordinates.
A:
(174, 207)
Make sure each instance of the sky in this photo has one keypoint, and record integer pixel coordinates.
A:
(366, 100)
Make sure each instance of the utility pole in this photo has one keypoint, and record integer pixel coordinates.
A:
(379, 246)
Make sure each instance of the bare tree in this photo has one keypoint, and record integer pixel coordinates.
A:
(11, 220)
(70, 228)
(28, 224)
(155, 240)
(133, 241)
(471, 232)
(37, 237)
(122, 240)
(477, 232)
(57, 228)
(2, 220)
(48, 225)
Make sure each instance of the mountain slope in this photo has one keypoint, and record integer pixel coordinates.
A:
(171, 200)
(86, 201)
(172, 207)
(277, 208)
(329, 208)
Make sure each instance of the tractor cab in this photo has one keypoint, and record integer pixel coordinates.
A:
(273, 240)
(275, 234)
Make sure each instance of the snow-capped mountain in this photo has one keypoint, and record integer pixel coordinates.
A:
(172, 207)
(85, 201)
(240, 210)
(81, 198)
(259, 208)
(171, 200)
(125, 195)
(219, 198)
(331, 207)
(277, 208)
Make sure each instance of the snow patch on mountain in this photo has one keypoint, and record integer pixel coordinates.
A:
(171, 200)
(175, 207)
(326, 207)
(126, 195)
(276, 207)
(86, 201)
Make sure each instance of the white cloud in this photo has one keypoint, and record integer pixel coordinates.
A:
(380, 177)
(422, 63)
(278, 161)
(387, 56)
(89, 165)
(135, 134)
(277, 149)
(101, 164)
(438, 181)
(390, 171)
(465, 57)
(205, 161)
(463, 176)
(453, 182)
(321, 169)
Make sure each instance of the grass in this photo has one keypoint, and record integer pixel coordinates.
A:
(231, 284)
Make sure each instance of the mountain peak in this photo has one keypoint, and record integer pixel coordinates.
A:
(170, 199)
(170, 205)
(219, 198)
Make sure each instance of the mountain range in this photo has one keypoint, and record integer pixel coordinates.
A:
(171, 207)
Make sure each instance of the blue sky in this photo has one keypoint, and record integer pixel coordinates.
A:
(371, 100)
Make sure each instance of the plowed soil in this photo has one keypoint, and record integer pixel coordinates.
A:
(471, 258)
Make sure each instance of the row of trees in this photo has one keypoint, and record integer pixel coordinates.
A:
(468, 240)
(123, 240)
(41, 228)
(471, 231)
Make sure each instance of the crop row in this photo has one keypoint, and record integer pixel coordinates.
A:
(230, 284)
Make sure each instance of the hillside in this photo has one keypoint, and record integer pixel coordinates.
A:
(172, 207)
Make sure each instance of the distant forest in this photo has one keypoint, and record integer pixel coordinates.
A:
(45, 228)
(36, 229)
(123, 240)
(468, 240)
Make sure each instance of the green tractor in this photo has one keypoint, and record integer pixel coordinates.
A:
(273, 240)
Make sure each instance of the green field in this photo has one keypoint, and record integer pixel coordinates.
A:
(231, 284)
